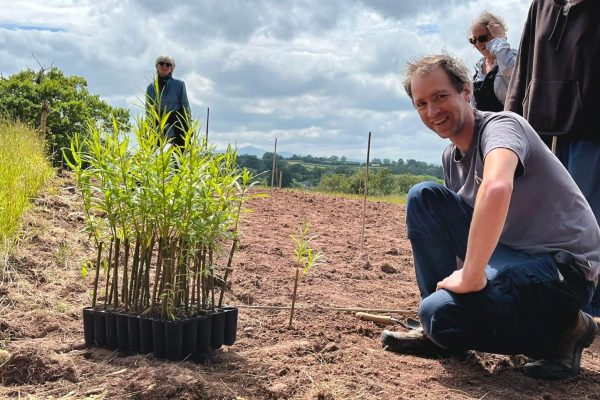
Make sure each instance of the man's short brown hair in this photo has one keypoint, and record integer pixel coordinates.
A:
(457, 71)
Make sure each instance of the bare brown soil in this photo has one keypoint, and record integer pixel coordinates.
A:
(326, 355)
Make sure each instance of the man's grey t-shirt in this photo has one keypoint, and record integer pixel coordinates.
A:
(547, 211)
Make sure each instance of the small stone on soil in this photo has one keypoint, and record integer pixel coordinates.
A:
(330, 347)
(278, 389)
(388, 268)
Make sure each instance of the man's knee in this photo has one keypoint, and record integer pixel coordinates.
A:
(435, 313)
(417, 192)
(420, 200)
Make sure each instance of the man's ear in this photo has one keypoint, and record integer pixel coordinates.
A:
(468, 92)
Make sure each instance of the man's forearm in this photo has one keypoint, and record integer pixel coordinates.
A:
(491, 208)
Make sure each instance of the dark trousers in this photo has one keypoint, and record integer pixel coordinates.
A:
(529, 299)
(582, 159)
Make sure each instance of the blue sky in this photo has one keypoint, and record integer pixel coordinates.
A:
(316, 74)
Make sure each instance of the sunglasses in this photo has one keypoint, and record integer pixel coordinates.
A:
(164, 64)
(480, 39)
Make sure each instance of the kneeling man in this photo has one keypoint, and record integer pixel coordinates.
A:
(507, 252)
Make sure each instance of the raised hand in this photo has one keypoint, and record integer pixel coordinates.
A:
(496, 30)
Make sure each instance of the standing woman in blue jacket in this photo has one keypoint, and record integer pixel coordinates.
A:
(172, 97)
(494, 69)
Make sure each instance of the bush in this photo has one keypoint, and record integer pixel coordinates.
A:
(381, 182)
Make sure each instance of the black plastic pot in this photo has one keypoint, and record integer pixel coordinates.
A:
(158, 338)
(88, 326)
(231, 318)
(133, 333)
(173, 340)
(145, 335)
(111, 330)
(99, 328)
(190, 336)
(203, 335)
(217, 329)
(122, 332)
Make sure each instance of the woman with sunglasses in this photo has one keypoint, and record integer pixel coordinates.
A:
(172, 98)
(493, 70)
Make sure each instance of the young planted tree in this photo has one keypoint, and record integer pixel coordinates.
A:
(305, 259)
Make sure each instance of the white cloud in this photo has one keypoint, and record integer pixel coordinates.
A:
(318, 75)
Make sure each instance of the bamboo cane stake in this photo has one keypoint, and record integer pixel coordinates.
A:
(44, 117)
(273, 168)
(554, 142)
(280, 178)
(362, 233)
(294, 297)
(207, 115)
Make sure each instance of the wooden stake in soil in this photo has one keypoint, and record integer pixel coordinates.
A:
(44, 118)
(207, 115)
(294, 297)
(362, 233)
(280, 177)
(273, 168)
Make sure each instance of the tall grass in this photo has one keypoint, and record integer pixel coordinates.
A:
(23, 170)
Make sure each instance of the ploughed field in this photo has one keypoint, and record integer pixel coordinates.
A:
(327, 354)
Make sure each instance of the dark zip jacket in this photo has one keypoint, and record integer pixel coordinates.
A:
(556, 81)
(172, 98)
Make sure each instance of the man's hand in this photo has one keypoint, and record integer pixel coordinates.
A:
(457, 283)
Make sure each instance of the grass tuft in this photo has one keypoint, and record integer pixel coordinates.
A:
(23, 170)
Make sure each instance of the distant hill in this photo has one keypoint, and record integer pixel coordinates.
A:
(258, 152)
(251, 151)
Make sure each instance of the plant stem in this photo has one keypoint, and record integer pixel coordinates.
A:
(115, 284)
(135, 270)
(125, 285)
(227, 269)
(98, 262)
(106, 293)
(294, 297)
(158, 270)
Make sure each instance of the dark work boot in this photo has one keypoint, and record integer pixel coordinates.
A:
(416, 343)
(567, 360)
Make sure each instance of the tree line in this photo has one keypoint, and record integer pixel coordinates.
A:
(340, 175)
(400, 166)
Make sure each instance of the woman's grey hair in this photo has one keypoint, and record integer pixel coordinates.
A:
(456, 69)
(486, 17)
(165, 58)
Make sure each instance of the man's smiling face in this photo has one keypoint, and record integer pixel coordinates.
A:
(441, 107)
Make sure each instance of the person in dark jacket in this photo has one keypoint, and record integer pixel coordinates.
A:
(556, 87)
(172, 98)
(494, 69)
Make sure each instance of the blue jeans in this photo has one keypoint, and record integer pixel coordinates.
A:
(582, 159)
(528, 300)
